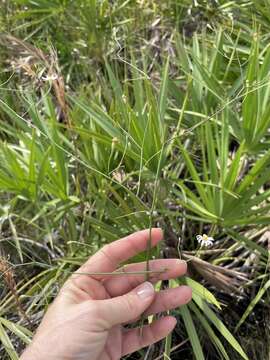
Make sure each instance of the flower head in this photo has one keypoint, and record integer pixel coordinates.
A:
(205, 240)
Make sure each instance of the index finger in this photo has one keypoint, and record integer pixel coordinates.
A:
(111, 255)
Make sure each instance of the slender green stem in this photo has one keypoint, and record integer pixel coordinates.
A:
(117, 273)
(168, 345)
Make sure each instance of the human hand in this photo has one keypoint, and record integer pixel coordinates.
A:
(86, 319)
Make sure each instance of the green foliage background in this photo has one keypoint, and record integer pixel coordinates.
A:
(119, 115)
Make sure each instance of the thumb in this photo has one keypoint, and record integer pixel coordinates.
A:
(128, 307)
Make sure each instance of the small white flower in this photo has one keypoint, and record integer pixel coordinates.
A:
(205, 240)
(51, 77)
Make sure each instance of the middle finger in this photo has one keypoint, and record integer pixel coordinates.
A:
(118, 285)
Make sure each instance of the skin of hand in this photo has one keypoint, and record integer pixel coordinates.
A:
(86, 319)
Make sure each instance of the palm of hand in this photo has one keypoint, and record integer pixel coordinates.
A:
(97, 339)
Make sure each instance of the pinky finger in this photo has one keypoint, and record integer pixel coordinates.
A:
(135, 339)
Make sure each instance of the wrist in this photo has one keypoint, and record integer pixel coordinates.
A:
(30, 353)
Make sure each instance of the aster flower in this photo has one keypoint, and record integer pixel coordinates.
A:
(205, 240)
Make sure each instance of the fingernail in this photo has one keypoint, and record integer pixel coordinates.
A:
(179, 261)
(145, 290)
(183, 263)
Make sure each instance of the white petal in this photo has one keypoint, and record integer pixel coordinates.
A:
(199, 238)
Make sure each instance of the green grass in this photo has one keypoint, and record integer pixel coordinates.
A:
(116, 116)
